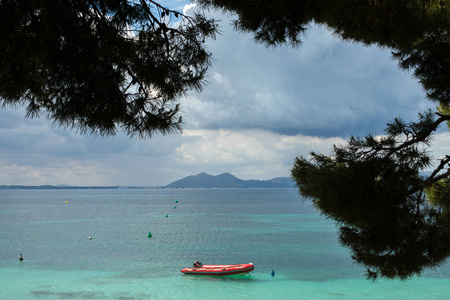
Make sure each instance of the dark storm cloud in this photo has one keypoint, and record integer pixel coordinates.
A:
(324, 87)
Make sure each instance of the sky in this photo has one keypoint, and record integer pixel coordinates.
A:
(260, 109)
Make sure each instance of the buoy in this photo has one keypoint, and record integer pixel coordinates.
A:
(175, 207)
(272, 273)
(166, 216)
(90, 237)
(149, 234)
(67, 201)
(20, 257)
(176, 201)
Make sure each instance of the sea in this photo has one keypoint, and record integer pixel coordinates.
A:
(95, 244)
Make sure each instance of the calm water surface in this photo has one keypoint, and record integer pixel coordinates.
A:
(272, 228)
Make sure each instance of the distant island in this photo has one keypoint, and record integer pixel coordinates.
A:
(202, 180)
(227, 180)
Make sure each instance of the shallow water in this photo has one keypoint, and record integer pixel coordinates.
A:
(272, 228)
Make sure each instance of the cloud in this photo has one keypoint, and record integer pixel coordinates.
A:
(32, 152)
(249, 153)
(441, 146)
(188, 7)
(38, 154)
(325, 87)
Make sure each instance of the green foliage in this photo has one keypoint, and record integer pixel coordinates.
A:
(439, 195)
(373, 189)
(444, 110)
(101, 65)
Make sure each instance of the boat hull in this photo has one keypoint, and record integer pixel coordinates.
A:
(220, 270)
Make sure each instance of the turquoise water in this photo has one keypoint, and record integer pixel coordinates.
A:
(272, 228)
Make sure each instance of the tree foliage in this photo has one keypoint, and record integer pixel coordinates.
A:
(373, 189)
(395, 221)
(101, 65)
(439, 195)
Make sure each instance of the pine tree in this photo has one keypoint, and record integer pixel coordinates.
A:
(374, 190)
(101, 65)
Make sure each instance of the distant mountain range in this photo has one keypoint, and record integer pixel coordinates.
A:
(227, 180)
(202, 180)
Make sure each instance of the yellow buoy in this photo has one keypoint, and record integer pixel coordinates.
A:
(67, 201)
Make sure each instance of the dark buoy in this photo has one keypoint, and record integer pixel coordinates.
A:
(20, 257)
(175, 207)
(166, 216)
(149, 234)
(176, 201)
(272, 273)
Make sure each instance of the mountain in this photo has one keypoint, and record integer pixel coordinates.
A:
(227, 180)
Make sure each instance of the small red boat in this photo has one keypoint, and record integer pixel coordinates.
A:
(218, 270)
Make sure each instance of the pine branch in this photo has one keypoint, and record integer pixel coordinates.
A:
(421, 136)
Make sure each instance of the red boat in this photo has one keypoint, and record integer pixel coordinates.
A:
(218, 270)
